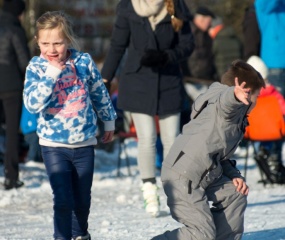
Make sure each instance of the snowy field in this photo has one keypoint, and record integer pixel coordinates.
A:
(117, 208)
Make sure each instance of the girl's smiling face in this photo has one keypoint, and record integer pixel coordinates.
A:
(53, 45)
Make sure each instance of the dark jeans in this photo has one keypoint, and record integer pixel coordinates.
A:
(12, 106)
(276, 77)
(70, 172)
(34, 152)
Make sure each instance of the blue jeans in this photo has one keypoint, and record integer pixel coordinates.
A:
(70, 172)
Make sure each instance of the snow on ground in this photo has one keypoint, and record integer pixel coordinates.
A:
(117, 208)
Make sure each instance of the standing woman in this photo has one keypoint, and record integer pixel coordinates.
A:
(14, 58)
(157, 36)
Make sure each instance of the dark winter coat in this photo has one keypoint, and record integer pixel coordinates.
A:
(148, 90)
(14, 53)
(200, 63)
(251, 34)
(226, 48)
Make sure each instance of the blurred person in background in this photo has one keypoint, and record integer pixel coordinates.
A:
(226, 46)
(157, 36)
(28, 125)
(199, 68)
(251, 33)
(270, 152)
(14, 58)
(271, 19)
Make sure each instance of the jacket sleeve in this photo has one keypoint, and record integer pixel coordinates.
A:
(230, 170)
(229, 104)
(38, 87)
(269, 6)
(100, 98)
(119, 42)
(185, 46)
(20, 44)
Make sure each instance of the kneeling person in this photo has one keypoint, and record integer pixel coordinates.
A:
(198, 169)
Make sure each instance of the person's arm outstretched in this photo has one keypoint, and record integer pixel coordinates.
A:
(241, 93)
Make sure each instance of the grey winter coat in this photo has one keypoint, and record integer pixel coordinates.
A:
(148, 90)
(217, 126)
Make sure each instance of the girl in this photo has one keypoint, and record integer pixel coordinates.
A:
(64, 86)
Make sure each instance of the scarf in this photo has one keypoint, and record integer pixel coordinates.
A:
(154, 10)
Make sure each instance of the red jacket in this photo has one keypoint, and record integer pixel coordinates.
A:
(270, 90)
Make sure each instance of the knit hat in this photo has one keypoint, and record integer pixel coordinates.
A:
(205, 11)
(258, 65)
(15, 7)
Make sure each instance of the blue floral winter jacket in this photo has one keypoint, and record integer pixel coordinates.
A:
(68, 101)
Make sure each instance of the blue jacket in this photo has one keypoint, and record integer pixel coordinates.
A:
(68, 100)
(28, 122)
(271, 20)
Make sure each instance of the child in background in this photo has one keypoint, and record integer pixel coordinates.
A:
(28, 126)
(64, 86)
(270, 152)
(198, 168)
(269, 89)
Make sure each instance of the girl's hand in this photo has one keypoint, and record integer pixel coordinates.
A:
(241, 186)
(58, 64)
(107, 137)
(241, 93)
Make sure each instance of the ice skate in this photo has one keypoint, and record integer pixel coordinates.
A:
(151, 199)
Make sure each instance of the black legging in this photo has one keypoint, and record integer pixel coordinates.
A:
(12, 108)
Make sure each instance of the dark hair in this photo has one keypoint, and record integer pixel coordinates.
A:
(245, 73)
(14, 7)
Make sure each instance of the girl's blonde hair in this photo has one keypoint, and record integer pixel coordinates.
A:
(57, 19)
(176, 22)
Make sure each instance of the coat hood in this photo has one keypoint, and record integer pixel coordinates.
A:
(203, 99)
(269, 90)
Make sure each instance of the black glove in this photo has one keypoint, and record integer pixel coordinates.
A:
(154, 58)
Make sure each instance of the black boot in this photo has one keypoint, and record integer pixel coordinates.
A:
(276, 168)
(86, 237)
(9, 184)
